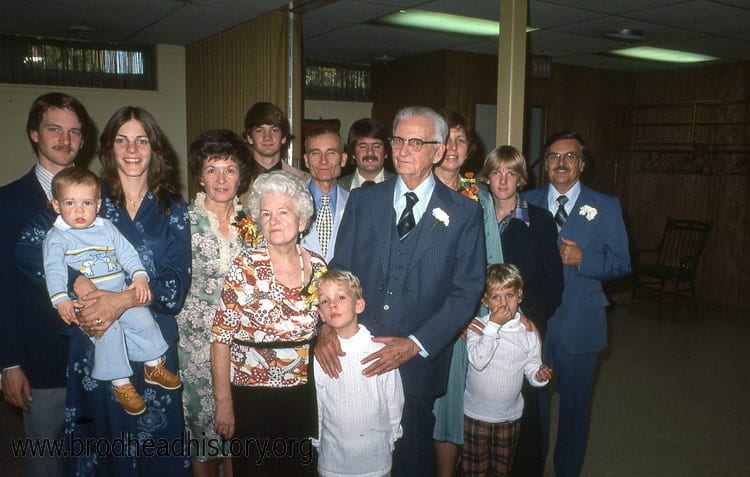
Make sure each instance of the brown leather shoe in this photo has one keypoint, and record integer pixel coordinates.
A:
(129, 399)
(161, 376)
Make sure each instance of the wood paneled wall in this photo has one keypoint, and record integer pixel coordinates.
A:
(700, 184)
(442, 80)
(706, 182)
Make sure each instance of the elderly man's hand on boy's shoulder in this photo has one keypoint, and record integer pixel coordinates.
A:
(396, 352)
(328, 350)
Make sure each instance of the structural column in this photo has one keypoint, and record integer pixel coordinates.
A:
(511, 72)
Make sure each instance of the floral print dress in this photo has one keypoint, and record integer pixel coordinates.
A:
(212, 255)
(255, 308)
(92, 413)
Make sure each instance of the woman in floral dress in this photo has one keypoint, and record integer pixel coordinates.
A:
(262, 335)
(222, 168)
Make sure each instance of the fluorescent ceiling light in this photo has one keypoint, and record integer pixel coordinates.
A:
(662, 54)
(443, 22)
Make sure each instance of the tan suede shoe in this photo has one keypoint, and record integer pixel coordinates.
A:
(129, 399)
(161, 376)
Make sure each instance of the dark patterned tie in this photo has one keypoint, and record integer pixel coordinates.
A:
(561, 216)
(367, 183)
(406, 222)
(324, 224)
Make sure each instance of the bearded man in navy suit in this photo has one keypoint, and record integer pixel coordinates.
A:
(593, 246)
(418, 249)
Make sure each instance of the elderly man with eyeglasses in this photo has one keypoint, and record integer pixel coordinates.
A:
(418, 249)
(593, 246)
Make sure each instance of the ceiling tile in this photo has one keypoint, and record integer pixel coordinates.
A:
(699, 15)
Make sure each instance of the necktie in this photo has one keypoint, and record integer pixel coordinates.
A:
(367, 183)
(324, 224)
(406, 222)
(561, 216)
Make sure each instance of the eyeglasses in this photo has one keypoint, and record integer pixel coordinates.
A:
(415, 145)
(567, 156)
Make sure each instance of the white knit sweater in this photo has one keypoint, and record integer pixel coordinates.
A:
(359, 418)
(498, 360)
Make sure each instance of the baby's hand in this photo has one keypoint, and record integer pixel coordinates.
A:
(544, 373)
(67, 311)
(142, 290)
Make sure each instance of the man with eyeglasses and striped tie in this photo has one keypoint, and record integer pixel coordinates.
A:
(418, 248)
(593, 245)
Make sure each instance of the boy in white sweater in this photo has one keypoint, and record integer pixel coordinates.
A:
(359, 418)
(499, 358)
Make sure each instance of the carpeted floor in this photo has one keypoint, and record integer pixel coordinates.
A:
(671, 399)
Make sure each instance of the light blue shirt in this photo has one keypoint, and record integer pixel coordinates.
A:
(572, 196)
(423, 191)
(317, 194)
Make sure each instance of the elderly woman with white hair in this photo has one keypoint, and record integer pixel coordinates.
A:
(262, 336)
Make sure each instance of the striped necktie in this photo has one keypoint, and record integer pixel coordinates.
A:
(324, 224)
(561, 216)
(406, 222)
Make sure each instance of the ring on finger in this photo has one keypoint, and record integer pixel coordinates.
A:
(98, 321)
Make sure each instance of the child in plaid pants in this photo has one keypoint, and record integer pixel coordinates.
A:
(499, 358)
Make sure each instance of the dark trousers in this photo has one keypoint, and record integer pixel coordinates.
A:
(272, 431)
(529, 460)
(415, 450)
(575, 380)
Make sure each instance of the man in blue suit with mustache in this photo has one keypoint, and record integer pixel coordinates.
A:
(594, 248)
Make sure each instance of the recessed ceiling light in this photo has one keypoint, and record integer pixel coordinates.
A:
(442, 22)
(662, 54)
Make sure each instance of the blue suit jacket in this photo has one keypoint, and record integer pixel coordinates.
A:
(443, 282)
(580, 321)
(31, 333)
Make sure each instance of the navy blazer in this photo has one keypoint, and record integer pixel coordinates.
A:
(443, 282)
(533, 249)
(32, 333)
(580, 321)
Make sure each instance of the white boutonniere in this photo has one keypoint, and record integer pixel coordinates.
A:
(588, 212)
(441, 216)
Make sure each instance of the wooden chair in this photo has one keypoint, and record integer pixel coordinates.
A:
(673, 261)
